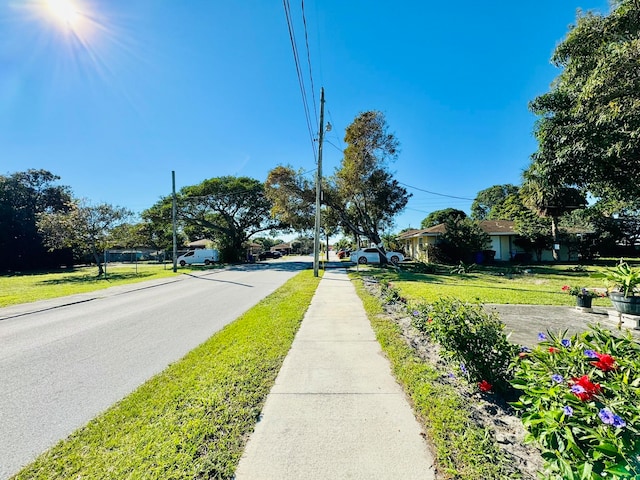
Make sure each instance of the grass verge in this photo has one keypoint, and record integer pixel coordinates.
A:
(463, 450)
(192, 420)
(535, 285)
(30, 287)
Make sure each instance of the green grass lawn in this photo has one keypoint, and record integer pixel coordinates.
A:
(29, 287)
(537, 285)
(192, 420)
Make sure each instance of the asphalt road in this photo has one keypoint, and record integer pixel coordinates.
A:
(61, 365)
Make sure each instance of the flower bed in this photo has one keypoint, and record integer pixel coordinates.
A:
(579, 396)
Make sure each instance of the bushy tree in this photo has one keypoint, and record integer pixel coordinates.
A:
(84, 227)
(362, 198)
(588, 129)
(487, 203)
(440, 216)
(462, 239)
(228, 210)
(23, 196)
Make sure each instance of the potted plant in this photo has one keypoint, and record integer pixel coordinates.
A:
(623, 282)
(583, 295)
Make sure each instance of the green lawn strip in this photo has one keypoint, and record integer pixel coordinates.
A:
(192, 420)
(30, 287)
(542, 286)
(463, 450)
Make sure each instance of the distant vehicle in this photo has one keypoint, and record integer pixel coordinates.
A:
(200, 255)
(265, 255)
(372, 255)
(343, 253)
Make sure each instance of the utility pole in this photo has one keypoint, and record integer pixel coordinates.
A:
(173, 221)
(316, 246)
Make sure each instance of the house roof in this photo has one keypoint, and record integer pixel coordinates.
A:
(281, 246)
(492, 227)
(199, 243)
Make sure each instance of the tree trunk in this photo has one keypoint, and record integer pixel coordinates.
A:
(554, 236)
(96, 257)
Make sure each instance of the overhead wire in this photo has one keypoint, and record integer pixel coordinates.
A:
(296, 59)
(306, 42)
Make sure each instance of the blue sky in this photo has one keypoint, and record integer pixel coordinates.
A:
(126, 91)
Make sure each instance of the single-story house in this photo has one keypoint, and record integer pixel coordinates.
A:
(283, 248)
(501, 235)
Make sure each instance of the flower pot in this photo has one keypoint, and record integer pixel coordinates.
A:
(584, 302)
(628, 305)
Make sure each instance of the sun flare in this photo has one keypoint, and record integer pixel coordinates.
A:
(64, 11)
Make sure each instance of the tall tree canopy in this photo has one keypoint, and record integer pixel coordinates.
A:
(227, 210)
(441, 216)
(588, 130)
(84, 227)
(488, 201)
(24, 195)
(362, 197)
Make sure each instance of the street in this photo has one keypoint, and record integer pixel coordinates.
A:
(63, 365)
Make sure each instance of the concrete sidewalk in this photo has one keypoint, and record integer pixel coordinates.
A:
(335, 410)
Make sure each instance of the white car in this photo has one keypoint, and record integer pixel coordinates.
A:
(372, 255)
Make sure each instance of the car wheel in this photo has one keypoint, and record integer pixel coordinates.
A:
(182, 263)
(362, 260)
(207, 262)
(395, 259)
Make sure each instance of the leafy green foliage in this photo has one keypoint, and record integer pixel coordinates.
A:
(462, 239)
(464, 451)
(82, 226)
(440, 216)
(23, 196)
(580, 403)
(488, 202)
(623, 278)
(471, 336)
(589, 122)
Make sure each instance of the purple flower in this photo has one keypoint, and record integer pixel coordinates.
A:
(590, 353)
(416, 313)
(618, 422)
(606, 416)
(525, 349)
(568, 411)
(452, 375)
(541, 337)
(566, 343)
(557, 378)
(578, 389)
(463, 368)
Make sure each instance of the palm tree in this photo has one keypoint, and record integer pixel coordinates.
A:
(547, 198)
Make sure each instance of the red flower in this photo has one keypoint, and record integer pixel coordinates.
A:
(605, 362)
(485, 386)
(523, 354)
(429, 320)
(589, 389)
(553, 350)
(565, 288)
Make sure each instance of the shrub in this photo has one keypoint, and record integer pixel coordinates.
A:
(390, 294)
(472, 336)
(580, 403)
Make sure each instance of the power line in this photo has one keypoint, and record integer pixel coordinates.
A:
(296, 59)
(436, 193)
(306, 41)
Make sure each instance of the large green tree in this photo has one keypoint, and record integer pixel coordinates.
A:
(588, 129)
(362, 197)
(24, 195)
(84, 227)
(440, 216)
(228, 210)
(488, 201)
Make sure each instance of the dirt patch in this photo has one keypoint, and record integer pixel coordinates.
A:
(487, 410)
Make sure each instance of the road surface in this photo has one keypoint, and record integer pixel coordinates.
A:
(64, 364)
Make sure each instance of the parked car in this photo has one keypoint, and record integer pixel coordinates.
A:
(372, 255)
(201, 255)
(265, 255)
(343, 253)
